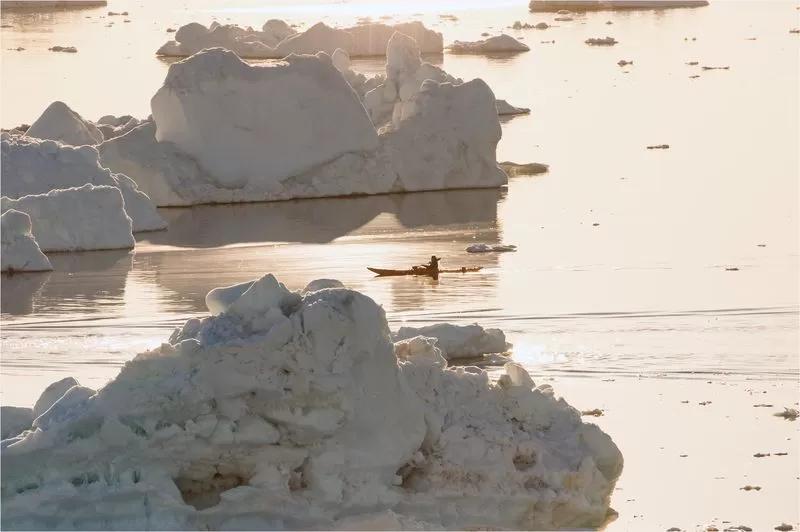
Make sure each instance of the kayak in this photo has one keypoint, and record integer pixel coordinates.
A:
(420, 271)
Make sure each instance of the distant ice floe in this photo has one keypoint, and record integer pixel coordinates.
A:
(492, 45)
(491, 248)
(607, 5)
(294, 410)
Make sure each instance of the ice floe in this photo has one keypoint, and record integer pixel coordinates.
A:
(14, 420)
(505, 109)
(206, 144)
(292, 410)
(33, 166)
(458, 341)
(489, 248)
(493, 45)
(76, 219)
(20, 252)
(276, 40)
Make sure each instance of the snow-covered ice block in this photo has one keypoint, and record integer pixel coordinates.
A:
(458, 341)
(76, 219)
(489, 248)
(492, 45)
(14, 420)
(283, 120)
(59, 122)
(20, 252)
(293, 411)
(33, 166)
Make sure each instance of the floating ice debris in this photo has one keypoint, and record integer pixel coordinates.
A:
(623, 62)
(498, 44)
(692, 63)
(20, 252)
(783, 527)
(716, 68)
(601, 41)
(659, 147)
(563, 19)
(14, 420)
(66, 49)
(506, 109)
(517, 169)
(488, 248)
(750, 488)
(594, 412)
(788, 413)
(59, 122)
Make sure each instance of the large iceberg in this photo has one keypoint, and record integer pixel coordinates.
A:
(20, 252)
(86, 218)
(226, 131)
(34, 166)
(291, 410)
(603, 5)
(276, 40)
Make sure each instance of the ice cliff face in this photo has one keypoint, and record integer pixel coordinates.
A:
(295, 410)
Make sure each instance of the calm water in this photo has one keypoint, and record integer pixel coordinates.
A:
(645, 292)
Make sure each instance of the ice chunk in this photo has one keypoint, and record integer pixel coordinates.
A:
(32, 166)
(76, 219)
(489, 248)
(493, 45)
(458, 341)
(506, 109)
(14, 420)
(59, 122)
(20, 252)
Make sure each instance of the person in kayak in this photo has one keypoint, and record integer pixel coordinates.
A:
(432, 266)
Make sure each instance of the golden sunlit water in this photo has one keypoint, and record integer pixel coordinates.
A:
(621, 268)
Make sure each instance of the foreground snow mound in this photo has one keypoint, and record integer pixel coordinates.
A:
(277, 40)
(492, 45)
(292, 411)
(33, 166)
(285, 119)
(20, 252)
(76, 219)
(59, 122)
(458, 341)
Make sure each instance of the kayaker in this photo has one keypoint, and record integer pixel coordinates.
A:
(434, 264)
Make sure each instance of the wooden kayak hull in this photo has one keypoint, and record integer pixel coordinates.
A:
(419, 272)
